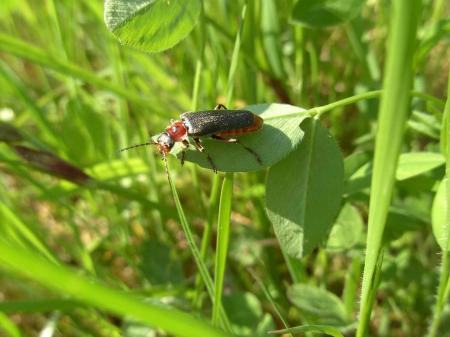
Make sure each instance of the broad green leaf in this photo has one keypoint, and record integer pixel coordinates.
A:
(347, 230)
(304, 191)
(276, 138)
(439, 218)
(318, 305)
(151, 25)
(324, 13)
(323, 329)
(415, 163)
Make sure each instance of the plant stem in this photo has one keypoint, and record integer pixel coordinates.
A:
(394, 108)
(320, 110)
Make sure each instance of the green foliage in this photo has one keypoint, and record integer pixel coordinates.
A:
(304, 191)
(318, 306)
(355, 157)
(151, 25)
(246, 315)
(347, 230)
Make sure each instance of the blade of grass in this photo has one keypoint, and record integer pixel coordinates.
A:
(394, 108)
(7, 325)
(35, 111)
(269, 297)
(42, 305)
(195, 252)
(444, 275)
(223, 236)
(224, 220)
(207, 232)
(36, 55)
(16, 229)
(324, 329)
(63, 280)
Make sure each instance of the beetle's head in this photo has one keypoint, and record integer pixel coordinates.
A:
(164, 143)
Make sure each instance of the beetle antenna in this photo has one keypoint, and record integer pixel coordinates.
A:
(137, 145)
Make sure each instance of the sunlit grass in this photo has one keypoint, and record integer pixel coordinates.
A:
(74, 245)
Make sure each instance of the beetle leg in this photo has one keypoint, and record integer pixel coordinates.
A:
(220, 107)
(198, 145)
(186, 144)
(237, 141)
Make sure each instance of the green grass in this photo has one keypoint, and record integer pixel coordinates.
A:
(345, 240)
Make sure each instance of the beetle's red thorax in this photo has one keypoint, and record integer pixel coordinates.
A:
(177, 131)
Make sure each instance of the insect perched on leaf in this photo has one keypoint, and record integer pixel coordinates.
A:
(221, 124)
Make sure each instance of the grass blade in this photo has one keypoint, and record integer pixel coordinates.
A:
(65, 281)
(36, 55)
(195, 251)
(223, 235)
(392, 117)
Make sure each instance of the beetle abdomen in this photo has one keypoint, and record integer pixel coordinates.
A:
(221, 122)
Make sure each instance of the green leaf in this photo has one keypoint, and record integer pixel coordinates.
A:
(441, 228)
(324, 329)
(246, 314)
(324, 13)
(151, 25)
(304, 191)
(276, 138)
(347, 230)
(355, 161)
(415, 163)
(409, 165)
(318, 305)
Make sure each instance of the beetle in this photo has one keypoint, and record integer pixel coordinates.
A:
(220, 124)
